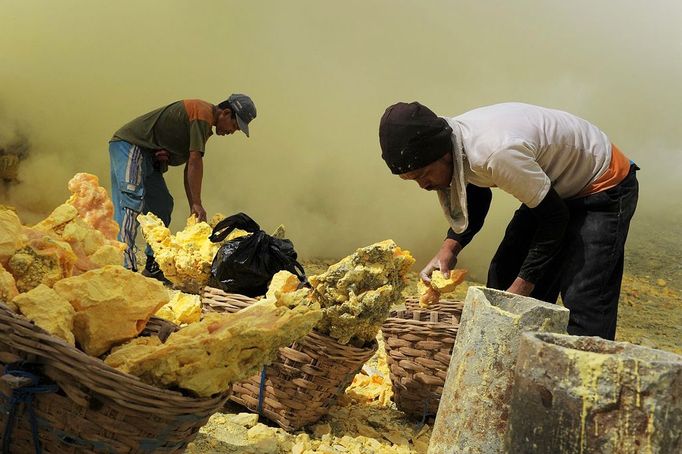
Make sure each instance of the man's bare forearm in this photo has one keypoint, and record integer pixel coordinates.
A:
(194, 173)
(521, 287)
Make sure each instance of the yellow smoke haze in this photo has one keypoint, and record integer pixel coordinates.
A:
(321, 75)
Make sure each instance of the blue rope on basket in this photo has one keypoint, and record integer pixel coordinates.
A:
(24, 395)
(261, 391)
(426, 412)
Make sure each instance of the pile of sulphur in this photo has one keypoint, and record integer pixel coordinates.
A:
(78, 236)
(185, 258)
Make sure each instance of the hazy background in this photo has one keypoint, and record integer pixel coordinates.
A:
(321, 74)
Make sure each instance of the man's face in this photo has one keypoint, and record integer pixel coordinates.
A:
(434, 176)
(226, 123)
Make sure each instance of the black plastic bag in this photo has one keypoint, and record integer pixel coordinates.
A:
(246, 264)
(240, 221)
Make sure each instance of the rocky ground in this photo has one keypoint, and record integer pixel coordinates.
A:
(366, 421)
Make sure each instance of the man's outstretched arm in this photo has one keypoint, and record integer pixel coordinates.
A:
(478, 203)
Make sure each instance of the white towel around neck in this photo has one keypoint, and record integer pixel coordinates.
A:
(453, 200)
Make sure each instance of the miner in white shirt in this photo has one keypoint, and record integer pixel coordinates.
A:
(577, 190)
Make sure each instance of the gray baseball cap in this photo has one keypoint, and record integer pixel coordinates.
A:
(244, 109)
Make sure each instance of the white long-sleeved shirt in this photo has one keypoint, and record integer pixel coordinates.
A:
(524, 149)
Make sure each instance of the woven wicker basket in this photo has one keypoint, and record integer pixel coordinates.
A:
(160, 328)
(215, 300)
(418, 349)
(447, 306)
(95, 408)
(303, 383)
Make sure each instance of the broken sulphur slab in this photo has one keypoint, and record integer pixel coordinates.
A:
(207, 357)
(430, 293)
(112, 305)
(48, 310)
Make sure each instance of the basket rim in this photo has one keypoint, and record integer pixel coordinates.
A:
(48, 347)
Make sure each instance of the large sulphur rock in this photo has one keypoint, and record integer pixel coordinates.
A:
(112, 305)
(206, 357)
(185, 258)
(49, 310)
(356, 294)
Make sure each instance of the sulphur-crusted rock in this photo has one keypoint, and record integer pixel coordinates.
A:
(430, 293)
(45, 259)
(12, 237)
(49, 310)
(182, 308)
(356, 294)
(206, 357)
(185, 258)
(8, 287)
(112, 305)
(33, 256)
(93, 204)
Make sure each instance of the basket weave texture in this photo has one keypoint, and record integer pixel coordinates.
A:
(447, 306)
(305, 379)
(419, 345)
(96, 408)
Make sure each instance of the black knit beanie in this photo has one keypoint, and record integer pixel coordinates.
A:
(412, 137)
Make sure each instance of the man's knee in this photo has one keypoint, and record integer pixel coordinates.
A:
(589, 318)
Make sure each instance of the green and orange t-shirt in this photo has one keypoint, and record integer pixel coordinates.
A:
(180, 127)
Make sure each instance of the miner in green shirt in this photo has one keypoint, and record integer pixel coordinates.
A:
(173, 135)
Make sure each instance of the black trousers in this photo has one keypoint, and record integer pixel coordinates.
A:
(588, 269)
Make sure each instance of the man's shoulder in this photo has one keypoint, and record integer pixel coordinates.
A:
(198, 109)
(196, 102)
